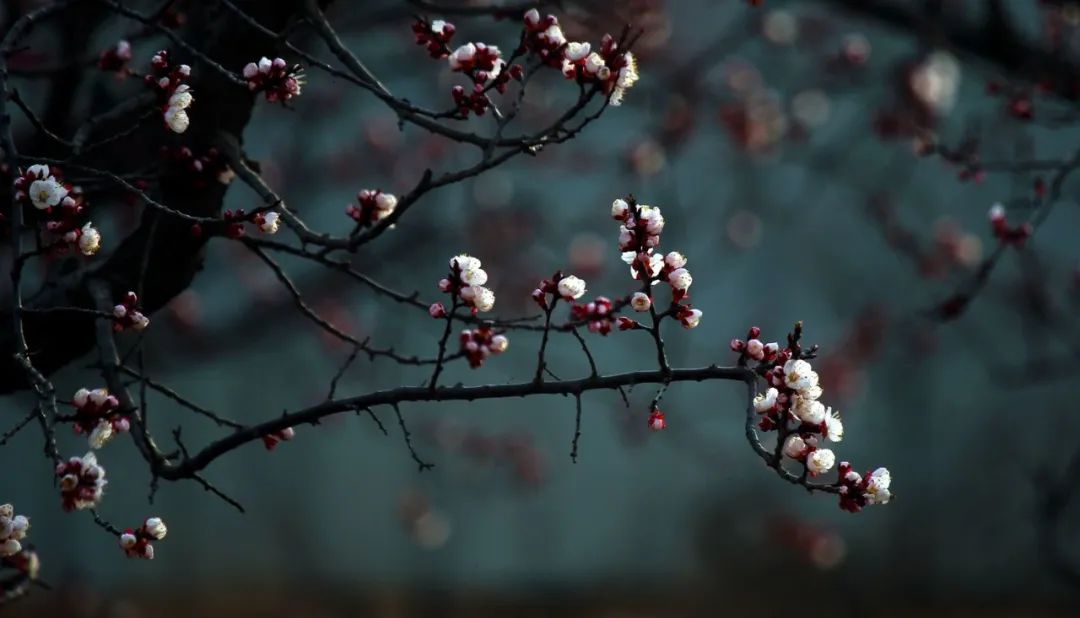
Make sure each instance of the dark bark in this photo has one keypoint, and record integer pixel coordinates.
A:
(173, 255)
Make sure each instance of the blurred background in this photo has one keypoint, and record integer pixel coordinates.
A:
(781, 142)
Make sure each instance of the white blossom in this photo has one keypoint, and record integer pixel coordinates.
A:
(654, 219)
(532, 17)
(593, 63)
(265, 64)
(675, 260)
(877, 487)
(155, 528)
(177, 119)
(13, 529)
(820, 461)
(799, 375)
(181, 97)
(571, 287)
(386, 202)
(554, 35)
(47, 192)
(479, 296)
(499, 343)
(474, 276)
(128, 540)
(619, 208)
(82, 395)
(834, 427)
(461, 56)
(102, 433)
(464, 262)
(680, 279)
(936, 81)
(795, 447)
(767, 401)
(576, 52)
(270, 222)
(808, 410)
(626, 79)
(640, 301)
(691, 319)
(89, 239)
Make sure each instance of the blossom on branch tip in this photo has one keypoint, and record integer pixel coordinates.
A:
(82, 482)
(275, 78)
(466, 281)
(657, 420)
(877, 488)
(857, 491)
(834, 427)
(13, 529)
(689, 317)
(479, 343)
(799, 375)
(1007, 235)
(596, 313)
(98, 415)
(374, 206)
(174, 96)
(268, 222)
(126, 314)
(571, 287)
(435, 36)
(115, 58)
(136, 543)
(619, 209)
(640, 301)
(270, 441)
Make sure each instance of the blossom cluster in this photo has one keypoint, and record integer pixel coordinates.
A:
(479, 343)
(267, 221)
(466, 281)
(485, 66)
(115, 58)
(202, 169)
(126, 315)
(13, 529)
(568, 288)
(857, 491)
(270, 441)
(98, 415)
(613, 70)
(82, 482)
(62, 205)
(274, 78)
(1006, 234)
(639, 237)
(374, 206)
(434, 36)
(137, 543)
(792, 407)
(597, 314)
(174, 95)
